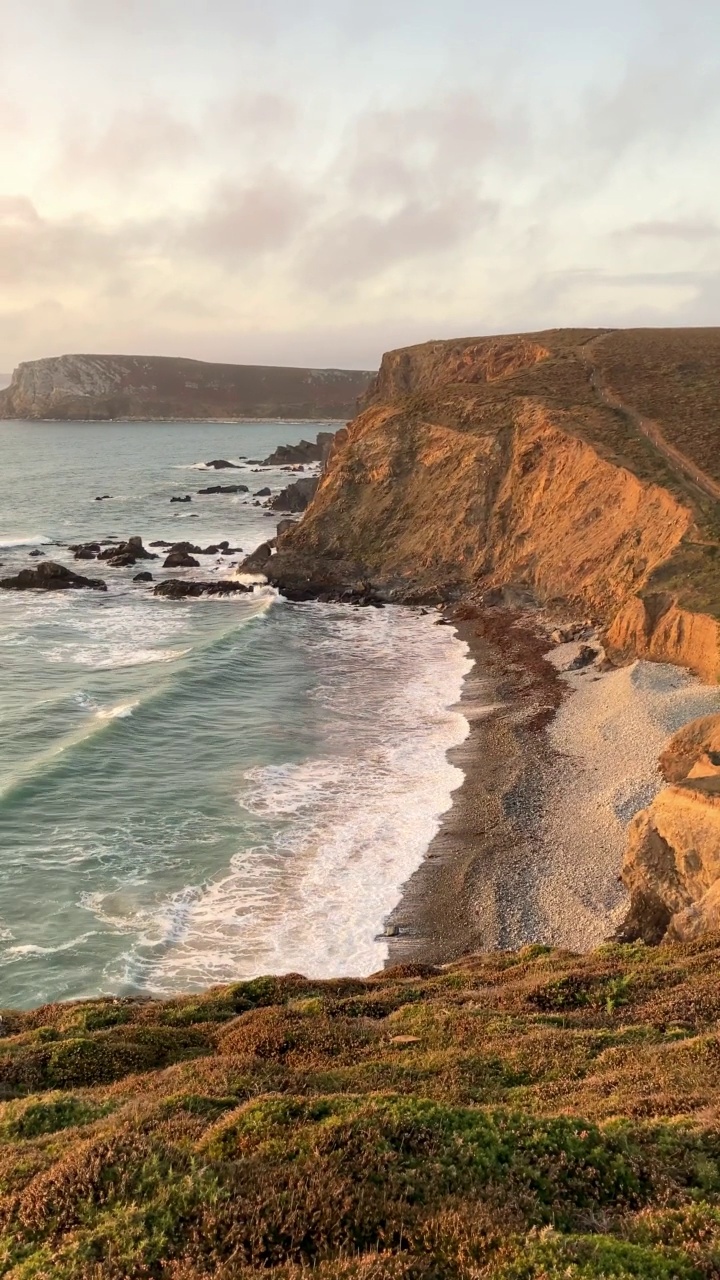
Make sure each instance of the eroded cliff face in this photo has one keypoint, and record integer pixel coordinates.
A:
(672, 861)
(491, 463)
(153, 387)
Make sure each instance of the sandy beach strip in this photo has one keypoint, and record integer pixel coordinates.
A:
(607, 736)
(556, 764)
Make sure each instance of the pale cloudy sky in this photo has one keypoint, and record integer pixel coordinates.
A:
(313, 181)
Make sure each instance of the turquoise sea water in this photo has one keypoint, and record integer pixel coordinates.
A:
(196, 791)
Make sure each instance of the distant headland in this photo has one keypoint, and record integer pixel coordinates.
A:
(167, 388)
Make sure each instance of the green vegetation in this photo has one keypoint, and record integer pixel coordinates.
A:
(529, 1116)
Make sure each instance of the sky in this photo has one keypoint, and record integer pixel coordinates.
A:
(313, 182)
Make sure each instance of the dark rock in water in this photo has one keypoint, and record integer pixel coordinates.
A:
(126, 554)
(297, 496)
(320, 578)
(103, 497)
(188, 547)
(161, 543)
(305, 451)
(224, 488)
(181, 560)
(257, 560)
(177, 589)
(222, 464)
(187, 498)
(34, 554)
(143, 577)
(50, 577)
(263, 493)
(86, 550)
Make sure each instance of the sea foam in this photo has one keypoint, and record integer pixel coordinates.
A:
(350, 826)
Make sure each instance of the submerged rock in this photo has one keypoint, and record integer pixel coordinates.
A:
(187, 498)
(143, 577)
(50, 577)
(222, 464)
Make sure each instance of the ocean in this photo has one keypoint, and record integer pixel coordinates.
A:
(193, 792)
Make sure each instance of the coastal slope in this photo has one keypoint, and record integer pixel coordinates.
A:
(530, 462)
(520, 1116)
(157, 388)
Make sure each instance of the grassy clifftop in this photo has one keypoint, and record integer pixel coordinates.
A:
(514, 1116)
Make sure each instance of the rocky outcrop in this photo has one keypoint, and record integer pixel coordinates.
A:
(50, 577)
(180, 560)
(124, 554)
(655, 627)
(494, 463)
(223, 488)
(672, 862)
(304, 452)
(296, 497)
(181, 589)
(99, 387)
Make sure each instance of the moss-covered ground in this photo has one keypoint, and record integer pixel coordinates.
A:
(513, 1116)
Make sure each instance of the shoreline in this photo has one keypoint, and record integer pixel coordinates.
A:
(463, 897)
(245, 421)
(555, 764)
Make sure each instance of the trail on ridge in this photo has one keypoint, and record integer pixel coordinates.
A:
(649, 428)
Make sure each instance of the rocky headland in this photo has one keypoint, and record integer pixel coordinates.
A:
(571, 472)
(166, 388)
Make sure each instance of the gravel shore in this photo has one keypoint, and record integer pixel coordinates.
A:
(556, 764)
(608, 736)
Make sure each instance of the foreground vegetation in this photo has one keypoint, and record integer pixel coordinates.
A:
(513, 1116)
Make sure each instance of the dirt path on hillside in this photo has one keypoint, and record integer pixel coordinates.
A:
(649, 428)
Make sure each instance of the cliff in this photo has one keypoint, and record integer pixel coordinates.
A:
(512, 461)
(671, 866)
(156, 387)
(514, 1116)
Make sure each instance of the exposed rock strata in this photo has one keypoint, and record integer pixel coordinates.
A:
(492, 463)
(672, 862)
(100, 387)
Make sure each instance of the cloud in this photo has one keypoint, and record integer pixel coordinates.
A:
(242, 221)
(37, 249)
(263, 117)
(410, 185)
(691, 230)
(137, 139)
(350, 249)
